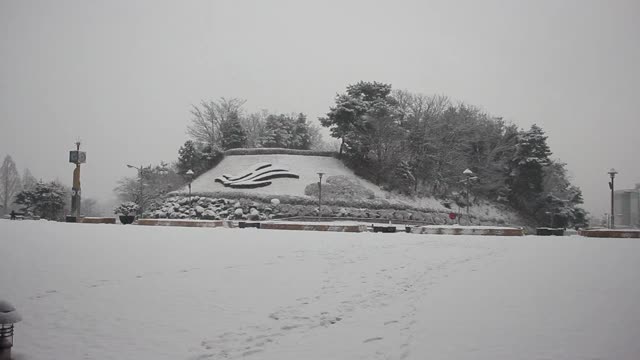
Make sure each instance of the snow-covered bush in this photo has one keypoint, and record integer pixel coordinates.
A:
(127, 208)
(283, 151)
(340, 188)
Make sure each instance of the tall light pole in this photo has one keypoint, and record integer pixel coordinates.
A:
(140, 191)
(190, 174)
(612, 174)
(469, 176)
(320, 195)
(163, 171)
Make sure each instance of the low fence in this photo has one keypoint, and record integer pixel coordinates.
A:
(435, 230)
(611, 233)
(96, 220)
(314, 227)
(185, 223)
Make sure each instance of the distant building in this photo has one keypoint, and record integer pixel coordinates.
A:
(627, 207)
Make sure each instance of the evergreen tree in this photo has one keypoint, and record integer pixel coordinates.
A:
(28, 180)
(301, 136)
(46, 200)
(367, 121)
(189, 158)
(233, 135)
(527, 169)
(278, 131)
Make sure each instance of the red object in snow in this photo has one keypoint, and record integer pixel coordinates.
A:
(452, 216)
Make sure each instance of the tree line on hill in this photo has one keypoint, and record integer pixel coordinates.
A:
(406, 142)
(216, 126)
(223, 124)
(420, 145)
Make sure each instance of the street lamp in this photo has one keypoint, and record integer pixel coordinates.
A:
(8, 317)
(320, 195)
(551, 216)
(612, 173)
(163, 172)
(140, 191)
(469, 177)
(190, 174)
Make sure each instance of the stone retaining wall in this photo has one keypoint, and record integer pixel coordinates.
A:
(202, 207)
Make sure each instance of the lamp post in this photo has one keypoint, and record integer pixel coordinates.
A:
(190, 174)
(8, 317)
(469, 176)
(320, 195)
(140, 191)
(550, 218)
(612, 173)
(163, 171)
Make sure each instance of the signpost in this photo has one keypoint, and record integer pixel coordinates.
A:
(76, 157)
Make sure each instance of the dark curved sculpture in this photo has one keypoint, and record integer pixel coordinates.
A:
(255, 177)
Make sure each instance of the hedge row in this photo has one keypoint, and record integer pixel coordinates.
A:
(373, 204)
(275, 151)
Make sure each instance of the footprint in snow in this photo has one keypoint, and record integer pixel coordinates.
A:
(372, 339)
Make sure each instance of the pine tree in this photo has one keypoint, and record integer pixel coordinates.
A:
(301, 137)
(46, 200)
(233, 135)
(278, 131)
(189, 158)
(527, 169)
(28, 180)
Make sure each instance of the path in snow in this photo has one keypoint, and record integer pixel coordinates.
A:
(126, 292)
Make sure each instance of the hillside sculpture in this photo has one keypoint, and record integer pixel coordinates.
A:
(257, 176)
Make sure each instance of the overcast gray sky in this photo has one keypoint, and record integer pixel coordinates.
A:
(122, 75)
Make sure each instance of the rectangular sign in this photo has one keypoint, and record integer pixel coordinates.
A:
(77, 157)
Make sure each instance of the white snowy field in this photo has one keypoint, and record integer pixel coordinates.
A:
(90, 291)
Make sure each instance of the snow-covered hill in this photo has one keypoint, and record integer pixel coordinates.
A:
(307, 168)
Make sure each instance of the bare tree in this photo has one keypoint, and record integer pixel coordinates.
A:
(90, 207)
(207, 119)
(9, 183)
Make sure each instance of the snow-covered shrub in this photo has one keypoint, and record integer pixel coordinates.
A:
(127, 208)
(340, 188)
(283, 151)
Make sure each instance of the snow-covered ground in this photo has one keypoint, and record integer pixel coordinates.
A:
(133, 292)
